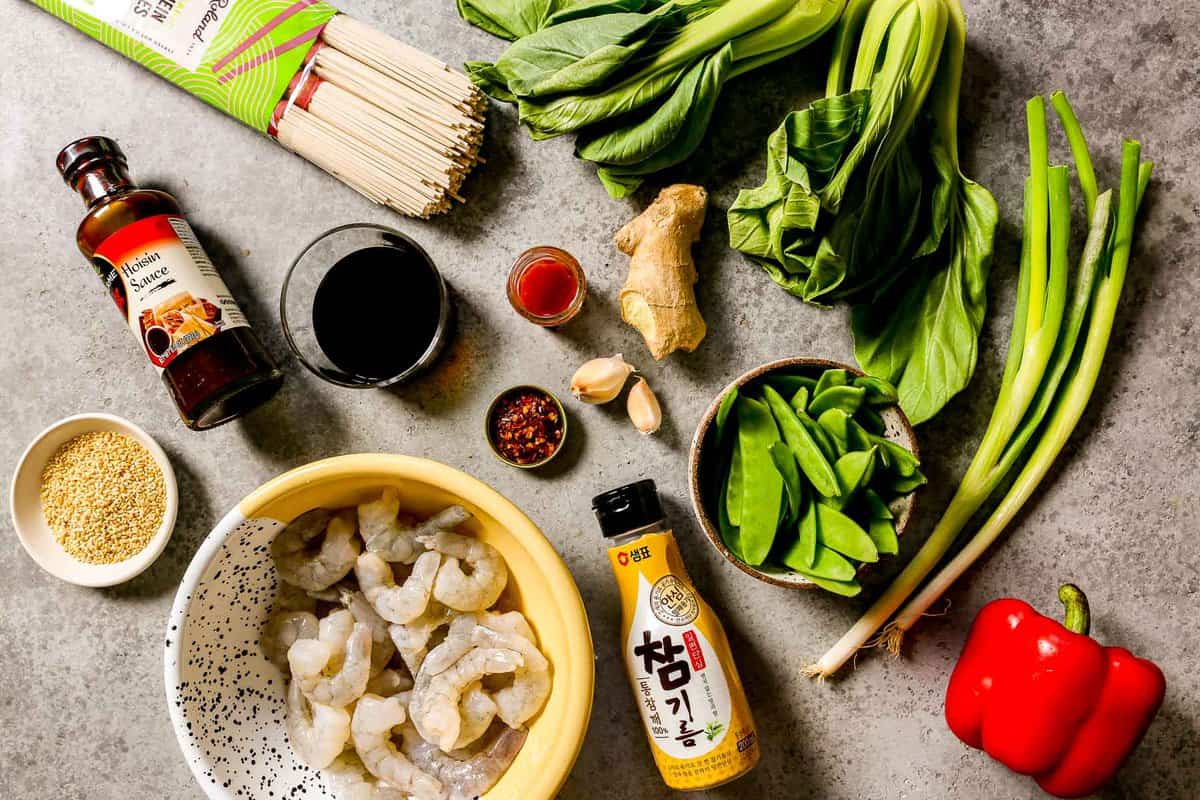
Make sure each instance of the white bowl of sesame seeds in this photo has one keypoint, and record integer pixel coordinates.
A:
(94, 500)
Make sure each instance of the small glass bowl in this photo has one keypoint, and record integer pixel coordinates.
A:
(300, 289)
(524, 262)
(491, 412)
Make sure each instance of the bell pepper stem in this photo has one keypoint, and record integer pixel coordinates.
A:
(1079, 617)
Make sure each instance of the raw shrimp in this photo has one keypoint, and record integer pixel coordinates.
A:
(456, 645)
(397, 603)
(317, 549)
(412, 638)
(389, 682)
(466, 774)
(348, 779)
(371, 730)
(435, 699)
(382, 647)
(283, 629)
(390, 538)
(477, 710)
(317, 732)
(333, 670)
(472, 589)
(531, 683)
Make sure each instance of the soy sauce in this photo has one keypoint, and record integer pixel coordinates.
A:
(376, 311)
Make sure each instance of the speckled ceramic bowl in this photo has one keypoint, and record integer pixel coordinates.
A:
(226, 700)
(704, 480)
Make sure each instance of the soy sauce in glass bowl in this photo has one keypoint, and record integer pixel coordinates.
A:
(364, 306)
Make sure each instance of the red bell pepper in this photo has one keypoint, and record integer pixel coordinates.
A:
(1046, 700)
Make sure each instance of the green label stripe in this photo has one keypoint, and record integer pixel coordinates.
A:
(240, 74)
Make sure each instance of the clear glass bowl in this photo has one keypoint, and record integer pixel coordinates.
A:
(528, 259)
(300, 289)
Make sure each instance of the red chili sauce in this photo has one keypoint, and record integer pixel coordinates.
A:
(547, 287)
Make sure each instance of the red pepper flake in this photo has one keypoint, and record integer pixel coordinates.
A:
(526, 426)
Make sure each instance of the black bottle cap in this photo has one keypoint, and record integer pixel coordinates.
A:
(82, 153)
(628, 508)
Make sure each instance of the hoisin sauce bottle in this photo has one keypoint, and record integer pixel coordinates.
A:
(186, 322)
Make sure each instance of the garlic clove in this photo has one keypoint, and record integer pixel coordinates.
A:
(643, 407)
(601, 379)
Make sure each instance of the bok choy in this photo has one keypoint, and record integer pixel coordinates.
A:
(1058, 341)
(864, 201)
(635, 80)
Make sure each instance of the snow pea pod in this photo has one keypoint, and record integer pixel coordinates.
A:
(883, 534)
(808, 454)
(839, 532)
(850, 588)
(793, 487)
(762, 485)
(723, 411)
(854, 471)
(819, 435)
(904, 485)
(733, 487)
(826, 564)
(899, 459)
(879, 391)
(805, 548)
(731, 535)
(799, 401)
(830, 378)
(847, 398)
(846, 434)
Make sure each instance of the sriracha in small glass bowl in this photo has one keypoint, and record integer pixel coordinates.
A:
(546, 286)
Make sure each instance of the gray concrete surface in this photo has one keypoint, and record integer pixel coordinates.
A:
(81, 701)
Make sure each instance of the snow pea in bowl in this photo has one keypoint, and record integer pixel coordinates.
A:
(803, 473)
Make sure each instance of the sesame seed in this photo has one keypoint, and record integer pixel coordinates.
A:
(103, 496)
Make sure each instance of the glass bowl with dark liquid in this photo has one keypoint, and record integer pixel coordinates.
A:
(364, 306)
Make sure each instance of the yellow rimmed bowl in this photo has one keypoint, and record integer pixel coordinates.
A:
(226, 700)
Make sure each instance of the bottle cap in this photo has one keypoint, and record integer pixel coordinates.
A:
(82, 153)
(628, 508)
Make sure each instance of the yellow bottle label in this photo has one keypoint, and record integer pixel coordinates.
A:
(679, 662)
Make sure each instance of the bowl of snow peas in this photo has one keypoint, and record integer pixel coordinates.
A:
(803, 473)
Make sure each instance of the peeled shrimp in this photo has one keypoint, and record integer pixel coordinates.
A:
(348, 779)
(371, 730)
(468, 775)
(458, 643)
(317, 732)
(412, 638)
(382, 647)
(391, 539)
(473, 589)
(531, 683)
(317, 549)
(397, 603)
(333, 670)
(389, 682)
(434, 704)
(282, 630)
(477, 710)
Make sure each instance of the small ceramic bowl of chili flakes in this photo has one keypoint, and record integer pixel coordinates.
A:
(526, 426)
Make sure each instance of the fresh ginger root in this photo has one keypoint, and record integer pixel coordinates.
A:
(658, 298)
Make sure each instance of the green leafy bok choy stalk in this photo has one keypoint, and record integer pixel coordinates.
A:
(864, 201)
(635, 80)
